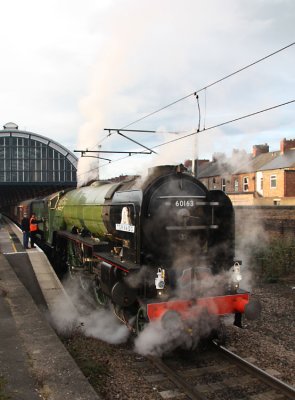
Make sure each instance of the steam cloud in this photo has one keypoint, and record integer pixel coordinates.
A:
(77, 313)
(160, 337)
(157, 339)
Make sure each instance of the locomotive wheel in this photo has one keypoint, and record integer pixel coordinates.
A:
(141, 320)
(84, 283)
(74, 274)
(99, 296)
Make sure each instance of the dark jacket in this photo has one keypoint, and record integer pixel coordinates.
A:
(25, 224)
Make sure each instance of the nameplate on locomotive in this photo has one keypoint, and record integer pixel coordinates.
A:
(125, 228)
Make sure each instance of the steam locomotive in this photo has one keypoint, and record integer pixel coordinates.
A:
(155, 249)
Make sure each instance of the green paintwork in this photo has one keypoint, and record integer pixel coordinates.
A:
(45, 209)
(83, 208)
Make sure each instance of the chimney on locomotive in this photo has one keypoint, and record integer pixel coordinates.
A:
(165, 169)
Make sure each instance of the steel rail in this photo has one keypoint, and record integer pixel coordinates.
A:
(192, 393)
(275, 383)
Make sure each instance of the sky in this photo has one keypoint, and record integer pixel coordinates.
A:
(71, 68)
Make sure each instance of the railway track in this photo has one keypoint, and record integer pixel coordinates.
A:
(209, 375)
(213, 374)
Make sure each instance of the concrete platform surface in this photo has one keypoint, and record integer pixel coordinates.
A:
(34, 363)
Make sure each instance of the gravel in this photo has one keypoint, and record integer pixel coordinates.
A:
(269, 343)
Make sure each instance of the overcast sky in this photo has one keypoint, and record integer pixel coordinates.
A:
(70, 68)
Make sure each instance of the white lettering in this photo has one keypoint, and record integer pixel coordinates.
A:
(125, 228)
(184, 203)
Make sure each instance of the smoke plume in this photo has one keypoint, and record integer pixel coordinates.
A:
(79, 312)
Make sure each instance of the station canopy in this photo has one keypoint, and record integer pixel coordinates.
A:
(32, 165)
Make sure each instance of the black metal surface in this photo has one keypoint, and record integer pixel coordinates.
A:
(88, 241)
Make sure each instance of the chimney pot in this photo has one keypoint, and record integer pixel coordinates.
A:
(260, 149)
(286, 145)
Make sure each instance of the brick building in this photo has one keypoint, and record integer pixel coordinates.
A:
(278, 175)
(261, 178)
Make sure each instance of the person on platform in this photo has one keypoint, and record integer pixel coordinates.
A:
(34, 230)
(25, 227)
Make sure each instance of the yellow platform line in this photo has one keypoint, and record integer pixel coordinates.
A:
(13, 245)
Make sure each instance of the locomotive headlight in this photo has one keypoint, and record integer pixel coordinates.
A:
(236, 275)
(160, 279)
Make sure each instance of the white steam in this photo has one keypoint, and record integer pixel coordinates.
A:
(163, 336)
(154, 340)
(250, 235)
(249, 229)
(160, 337)
(144, 275)
(78, 314)
(111, 76)
(137, 71)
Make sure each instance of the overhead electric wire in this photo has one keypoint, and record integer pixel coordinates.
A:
(210, 85)
(194, 94)
(224, 123)
(205, 106)
(199, 112)
(203, 88)
(207, 129)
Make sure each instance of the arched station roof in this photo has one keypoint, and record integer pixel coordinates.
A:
(32, 165)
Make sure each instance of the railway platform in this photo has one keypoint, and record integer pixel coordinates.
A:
(34, 364)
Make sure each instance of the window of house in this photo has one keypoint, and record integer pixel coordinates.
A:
(245, 184)
(223, 184)
(273, 181)
(261, 183)
(236, 185)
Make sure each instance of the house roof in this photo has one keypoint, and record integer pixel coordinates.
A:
(263, 162)
(244, 165)
(286, 160)
(256, 164)
(214, 168)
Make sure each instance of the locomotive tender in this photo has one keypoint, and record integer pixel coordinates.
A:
(160, 248)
